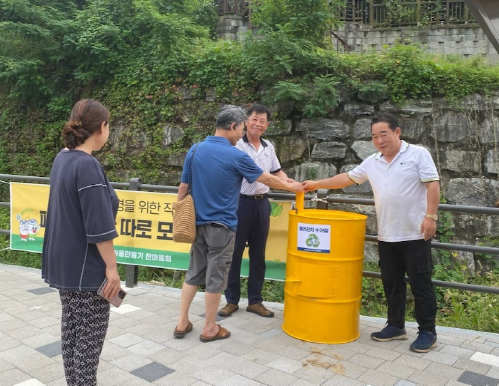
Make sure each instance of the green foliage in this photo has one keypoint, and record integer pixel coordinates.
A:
(30, 48)
(486, 261)
(397, 14)
(218, 66)
(117, 34)
(272, 290)
(446, 267)
(316, 98)
(445, 234)
(47, 45)
(408, 73)
(312, 20)
(373, 296)
(471, 310)
(154, 63)
(280, 57)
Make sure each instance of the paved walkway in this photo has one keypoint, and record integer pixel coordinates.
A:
(140, 348)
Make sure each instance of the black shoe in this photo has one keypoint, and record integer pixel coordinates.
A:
(388, 333)
(425, 342)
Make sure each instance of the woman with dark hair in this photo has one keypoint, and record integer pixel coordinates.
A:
(78, 251)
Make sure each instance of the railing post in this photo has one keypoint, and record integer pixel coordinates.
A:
(371, 14)
(322, 194)
(132, 271)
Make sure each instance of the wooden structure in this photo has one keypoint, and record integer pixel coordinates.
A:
(406, 12)
(381, 12)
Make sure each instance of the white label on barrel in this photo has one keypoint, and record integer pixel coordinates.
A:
(314, 238)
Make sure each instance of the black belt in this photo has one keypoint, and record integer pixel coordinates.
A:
(255, 197)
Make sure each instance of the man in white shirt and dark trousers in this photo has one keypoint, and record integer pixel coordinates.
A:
(406, 191)
(253, 217)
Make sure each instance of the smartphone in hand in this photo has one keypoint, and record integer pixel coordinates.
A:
(115, 300)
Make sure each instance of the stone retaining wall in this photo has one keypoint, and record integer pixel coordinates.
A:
(462, 140)
(465, 40)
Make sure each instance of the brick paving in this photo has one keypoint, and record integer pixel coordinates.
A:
(140, 348)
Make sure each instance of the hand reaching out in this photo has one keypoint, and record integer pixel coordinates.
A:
(309, 185)
(296, 187)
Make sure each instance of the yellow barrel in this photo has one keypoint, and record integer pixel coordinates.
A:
(323, 287)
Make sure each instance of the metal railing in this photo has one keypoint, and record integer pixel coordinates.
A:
(322, 200)
(406, 12)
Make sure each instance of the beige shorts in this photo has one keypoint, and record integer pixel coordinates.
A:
(211, 256)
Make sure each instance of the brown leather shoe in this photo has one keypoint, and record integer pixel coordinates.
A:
(260, 309)
(228, 310)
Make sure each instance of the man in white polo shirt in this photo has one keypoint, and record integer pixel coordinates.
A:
(406, 191)
(253, 215)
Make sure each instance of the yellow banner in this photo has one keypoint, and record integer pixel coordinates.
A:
(145, 227)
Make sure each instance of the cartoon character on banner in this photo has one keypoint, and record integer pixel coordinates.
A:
(23, 229)
(33, 228)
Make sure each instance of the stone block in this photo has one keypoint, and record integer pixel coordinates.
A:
(492, 162)
(471, 378)
(314, 171)
(452, 126)
(371, 253)
(291, 148)
(468, 51)
(324, 129)
(356, 109)
(472, 191)
(172, 134)
(470, 225)
(236, 23)
(438, 357)
(410, 108)
(489, 130)
(375, 41)
(462, 161)
(427, 379)
(377, 378)
(364, 149)
(434, 46)
(279, 128)
(362, 128)
(328, 150)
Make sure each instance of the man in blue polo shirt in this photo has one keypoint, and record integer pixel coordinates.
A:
(218, 169)
(406, 191)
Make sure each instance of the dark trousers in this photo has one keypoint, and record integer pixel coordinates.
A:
(413, 257)
(253, 223)
(85, 318)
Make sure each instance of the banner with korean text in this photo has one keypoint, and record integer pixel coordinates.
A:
(145, 227)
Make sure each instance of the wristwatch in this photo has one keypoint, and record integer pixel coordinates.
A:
(432, 216)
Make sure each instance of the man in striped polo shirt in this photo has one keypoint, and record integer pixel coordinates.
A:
(253, 216)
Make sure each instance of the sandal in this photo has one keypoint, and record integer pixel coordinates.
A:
(223, 333)
(180, 334)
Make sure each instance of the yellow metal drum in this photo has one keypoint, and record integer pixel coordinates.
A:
(323, 287)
